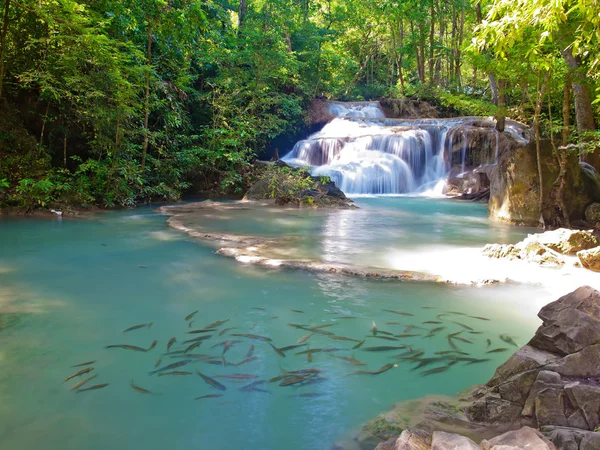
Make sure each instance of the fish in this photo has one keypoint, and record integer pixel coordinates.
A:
(137, 327)
(466, 327)
(128, 347)
(383, 348)
(174, 372)
(139, 389)
(358, 345)
(170, 343)
(425, 362)
(273, 317)
(304, 338)
(452, 344)
(199, 338)
(435, 370)
(392, 323)
(497, 350)
(247, 360)
(93, 388)
(297, 311)
(439, 316)
(238, 376)
(225, 330)
(347, 317)
(192, 314)
(458, 313)
(171, 366)
(154, 343)
(406, 335)
(252, 386)
(382, 369)
(475, 361)
(226, 345)
(250, 351)
(354, 362)
(311, 394)
(291, 347)
(81, 383)
(432, 322)
(387, 338)
(488, 342)
(295, 379)
(343, 338)
(321, 350)
(190, 324)
(475, 332)
(434, 331)
(259, 308)
(325, 325)
(277, 350)
(401, 313)
(462, 339)
(316, 330)
(387, 333)
(211, 381)
(87, 363)
(479, 318)
(374, 329)
(451, 335)
(295, 325)
(201, 330)
(209, 396)
(81, 372)
(427, 307)
(508, 340)
(216, 324)
(309, 357)
(192, 346)
(451, 352)
(254, 336)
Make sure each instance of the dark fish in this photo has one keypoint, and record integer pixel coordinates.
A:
(254, 336)
(489, 343)
(295, 325)
(479, 318)
(93, 388)
(387, 333)
(382, 369)
(309, 357)
(174, 372)
(475, 332)
(291, 347)
(209, 396)
(304, 338)
(358, 345)
(222, 332)
(387, 338)
(158, 362)
(347, 317)
(250, 351)
(466, 327)
(171, 366)
(406, 335)
(311, 394)
(190, 324)
(427, 307)
(508, 340)
(199, 338)
(439, 316)
(247, 360)
(175, 352)
(383, 348)
(462, 339)
(434, 331)
(273, 317)
(458, 313)
(343, 338)
(451, 335)
(137, 327)
(192, 346)
(192, 314)
(277, 350)
(81, 383)
(392, 323)
(297, 311)
(452, 344)
(258, 308)
(316, 330)
(295, 379)
(425, 362)
(238, 376)
(154, 343)
(139, 389)
(432, 322)
(226, 345)
(216, 324)
(321, 350)
(81, 372)
(451, 352)
(128, 347)
(475, 361)
(325, 325)
(170, 343)
(211, 381)
(411, 356)
(401, 313)
(435, 370)
(354, 362)
(202, 330)
(497, 350)
(84, 364)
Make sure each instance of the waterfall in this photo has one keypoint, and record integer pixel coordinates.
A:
(366, 153)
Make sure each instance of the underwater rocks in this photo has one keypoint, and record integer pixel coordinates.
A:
(549, 248)
(545, 396)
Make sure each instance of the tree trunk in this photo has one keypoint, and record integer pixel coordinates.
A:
(3, 44)
(584, 114)
(566, 110)
(147, 97)
(457, 63)
(431, 42)
(494, 88)
(65, 151)
(538, 151)
(501, 116)
(44, 125)
(243, 11)
(401, 45)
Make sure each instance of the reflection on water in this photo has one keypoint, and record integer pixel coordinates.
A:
(79, 284)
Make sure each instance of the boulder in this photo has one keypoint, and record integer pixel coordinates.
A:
(585, 363)
(567, 242)
(535, 252)
(587, 399)
(565, 438)
(590, 259)
(591, 441)
(390, 444)
(544, 380)
(448, 441)
(549, 407)
(500, 251)
(592, 213)
(525, 438)
(525, 359)
(413, 440)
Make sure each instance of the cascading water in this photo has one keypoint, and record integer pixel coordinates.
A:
(366, 153)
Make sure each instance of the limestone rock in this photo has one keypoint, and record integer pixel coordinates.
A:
(544, 380)
(591, 441)
(585, 299)
(590, 259)
(567, 242)
(585, 363)
(535, 252)
(413, 440)
(549, 407)
(525, 438)
(592, 213)
(587, 399)
(525, 359)
(565, 438)
(449, 441)
(500, 251)
(390, 444)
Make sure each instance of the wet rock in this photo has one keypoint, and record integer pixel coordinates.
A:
(530, 250)
(447, 441)
(564, 438)
(592, 213)
(525, 438)
(590, 259)
(567, 242)
(500, 251)
(525, 359)
(413, 440)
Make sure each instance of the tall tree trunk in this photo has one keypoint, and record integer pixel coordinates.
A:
(501, 116)
(422, 49)
(566, 111)
(147, 96)
(431, 42)
(400, 53)
(584, 114)
(243, 11)
(3, 44)
(494, 88)
(65, 151)
(417, 54)
(44, 124)
(457, 63)
(541, 89)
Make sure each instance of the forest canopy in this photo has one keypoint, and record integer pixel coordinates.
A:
(110, 102)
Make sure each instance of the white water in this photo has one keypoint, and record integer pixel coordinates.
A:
(366, 153)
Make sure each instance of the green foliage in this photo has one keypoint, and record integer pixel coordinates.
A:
(286, 184)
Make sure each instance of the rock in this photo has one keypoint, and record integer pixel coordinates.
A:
(413, 440)
(448, 441)
(499, 251)
(390, 444)
(590, 259)
(567, 242)
(549, 407)
(494, 410)
(585, 363)
(525, 359)
(591, 441)
(592, 213)
(577, 420)
(565, 438)
(525, 438)
(587, 399)
(544, 380)
(535, 252)
(516, 389)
